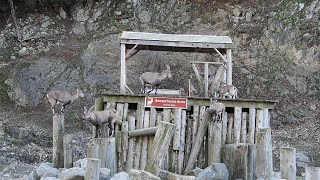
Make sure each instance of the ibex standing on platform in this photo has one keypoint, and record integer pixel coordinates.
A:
(154, 79)
(227, 90)
(63, 97)
(219, 109)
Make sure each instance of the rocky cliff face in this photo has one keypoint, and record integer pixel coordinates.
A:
(69, 46)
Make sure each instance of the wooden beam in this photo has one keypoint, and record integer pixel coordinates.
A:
(93, 168)
(143, 132)
(229, 67)
(198, 140)
(217, 51)
(123, 69)
(206, 78)
(195, 69)
(264, 165)
(160, 146)
(128, 55)
(128, 89)
(288, 168)
(202, 62)
(57, 141)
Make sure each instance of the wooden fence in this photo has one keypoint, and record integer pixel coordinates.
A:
(240, 124)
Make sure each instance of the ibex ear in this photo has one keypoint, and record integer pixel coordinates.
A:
(85, 109)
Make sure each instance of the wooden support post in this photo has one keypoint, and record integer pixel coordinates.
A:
(93, 169)
(235, 157)
(266, 119)
(160, 146)
(244, 128)
(252, 125)
(123, 69)
(312, 173)
(259, 120)
(251, 161)
(102, 145)
(214, 142)
(224, 128)
(229, 136)
(58, 131)
(182, 141)
(67, 151)
(124, 145)
(131, 126)
(217, 79)
(93, 151)
(229, 67)
(206, 80)
(264, 165)
(144, 151)
(237, 124)
(288, 167)
(199, 139)
(111, 155)
(177, 122)
(143, 132)
(139, 125)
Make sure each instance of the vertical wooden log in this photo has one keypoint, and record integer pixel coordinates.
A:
(102, 144)
(93, 169)
(153, 121)
(251, 161)
(201, 156)
(124, 143)
(131, 126)
(120, 110)
(111, 155)
(160, 145)
(99, 106)
(235, 157)
(167, 118)
(125, 112)
(237, 124)
(144, 151)
(288, 168)
(188, 140)
(93, 151)
(177, 122)
(259, 120)
(198, 140)
(67, 151)
(312, 173)
(159, 118)
(264, 154)
(229, 136)
(182, 141)
(58, 131)
(195, 122)
(139, 125)
(252, 125)
(266, 118)
(229, 67)
(206, 83)
(214, 142)
(224, 128)
(123, 69)
(244, 128)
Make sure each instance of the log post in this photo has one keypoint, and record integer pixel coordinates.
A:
(111, 155)
(312, 173)
(252, 125)
(67, 151)
(264, 154)
(237, 124)
(93, 151)
(101, 143)
(58, 131)
(288, 166)
(235, 157)
(199, 139)
(99, 107)
(214, 142)
(93, 169)
(160, 146)
(251, 161)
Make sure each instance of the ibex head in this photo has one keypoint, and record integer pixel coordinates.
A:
(80, 93)
(87, 112)
(168, 71)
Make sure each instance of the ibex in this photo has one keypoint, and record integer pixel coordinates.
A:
(98, 118)
(154, 79)
(63, 97)
(227, 90)
(219, 109)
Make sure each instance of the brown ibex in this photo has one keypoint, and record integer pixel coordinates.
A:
(154, 79)
(227, 90)
(98, 118)
(63, 97)
(219, 109)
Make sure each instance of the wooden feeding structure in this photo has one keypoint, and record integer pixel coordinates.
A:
(221, 45)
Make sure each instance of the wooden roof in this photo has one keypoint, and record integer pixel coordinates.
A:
(176, 40)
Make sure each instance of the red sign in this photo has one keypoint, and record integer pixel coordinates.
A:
(166, 102)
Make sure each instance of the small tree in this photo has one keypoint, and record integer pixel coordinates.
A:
(15, 20)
